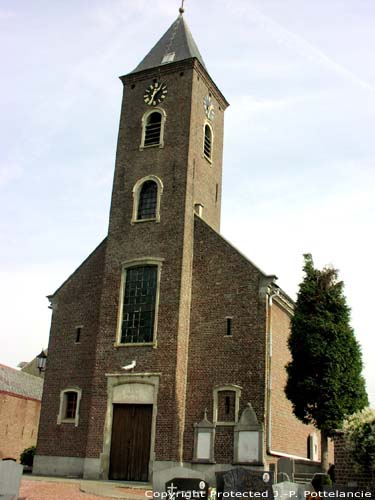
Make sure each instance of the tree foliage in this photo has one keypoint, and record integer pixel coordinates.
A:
(359, 431)
(324, 377)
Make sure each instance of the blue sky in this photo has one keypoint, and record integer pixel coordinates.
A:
(299, 157)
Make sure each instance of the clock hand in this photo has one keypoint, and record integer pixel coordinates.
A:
(153, 94)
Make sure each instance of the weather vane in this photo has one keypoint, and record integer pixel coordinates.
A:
(181, 9)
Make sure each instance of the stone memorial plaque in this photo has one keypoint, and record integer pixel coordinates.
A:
(258, 484)
(186, 488)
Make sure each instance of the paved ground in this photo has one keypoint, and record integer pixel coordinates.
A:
(60, 489)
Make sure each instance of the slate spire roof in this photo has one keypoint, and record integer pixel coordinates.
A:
(176, 44)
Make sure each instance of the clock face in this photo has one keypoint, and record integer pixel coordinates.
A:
(208, 107)
(155, 93)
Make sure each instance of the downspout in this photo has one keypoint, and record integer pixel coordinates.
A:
(273, 292)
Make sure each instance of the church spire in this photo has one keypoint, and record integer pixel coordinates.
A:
(176, 44)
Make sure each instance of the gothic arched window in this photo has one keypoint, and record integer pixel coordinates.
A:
(147, 194)
(207, 144)
(153, 128)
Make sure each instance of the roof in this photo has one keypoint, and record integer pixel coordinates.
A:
(20, 383)
(176, 44)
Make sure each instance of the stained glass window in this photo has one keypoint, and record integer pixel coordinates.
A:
(139, 305)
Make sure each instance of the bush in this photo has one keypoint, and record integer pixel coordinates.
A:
(320, 480)
(27, 456)
(359, 431)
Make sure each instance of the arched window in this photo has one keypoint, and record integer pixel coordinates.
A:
(207, 145)
(226, 404)
(153, 128)
(69, 406)
(147, 203)
(147, 194)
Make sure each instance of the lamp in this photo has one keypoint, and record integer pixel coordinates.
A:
(41, 361)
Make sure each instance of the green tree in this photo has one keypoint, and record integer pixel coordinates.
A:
(324, 376)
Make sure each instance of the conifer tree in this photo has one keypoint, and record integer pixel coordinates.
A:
(324, 376)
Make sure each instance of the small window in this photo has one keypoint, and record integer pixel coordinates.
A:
(168, 58)
(147, 203)
(78, 334)
(69, 406)
(226, 406)
(153, 129)
(207, 146)
(229, 327)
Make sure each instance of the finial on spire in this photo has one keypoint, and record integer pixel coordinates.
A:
(181, 9)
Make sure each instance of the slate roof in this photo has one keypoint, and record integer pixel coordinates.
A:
(177, 40)
(23, 384)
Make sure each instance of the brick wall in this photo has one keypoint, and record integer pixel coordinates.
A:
(346, 472)
(284, 423)
(19, 420)
(71, 364)
(224, 284)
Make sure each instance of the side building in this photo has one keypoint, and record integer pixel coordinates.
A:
(168, 346)
(20, 401)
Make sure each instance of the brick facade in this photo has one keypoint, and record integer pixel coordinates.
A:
(203, 281)
(20, 399)
(346, 472)
(19, 420)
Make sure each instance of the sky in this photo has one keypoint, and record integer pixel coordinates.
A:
(299, 154)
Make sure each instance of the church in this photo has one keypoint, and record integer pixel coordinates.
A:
(168, 347)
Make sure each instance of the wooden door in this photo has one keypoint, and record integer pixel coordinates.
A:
(130, 445)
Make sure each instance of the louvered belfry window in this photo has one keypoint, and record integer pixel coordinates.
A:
(153, 129)
(147, 202)
(139, 305)
(207, 142)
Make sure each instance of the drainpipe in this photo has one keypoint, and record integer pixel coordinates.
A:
(275, 292)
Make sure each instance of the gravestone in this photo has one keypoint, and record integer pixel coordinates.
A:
(10, 479)
(258, 484)
(181, 488)
(288, 490)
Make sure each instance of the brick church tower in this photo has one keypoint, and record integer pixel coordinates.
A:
(159, 361)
